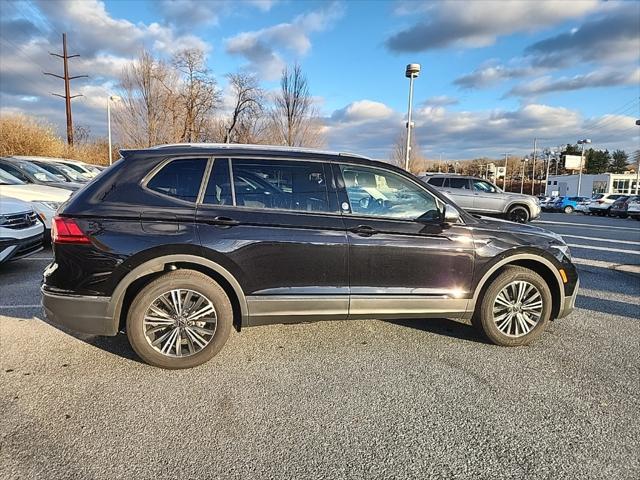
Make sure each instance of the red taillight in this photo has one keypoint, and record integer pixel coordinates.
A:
(66, 230)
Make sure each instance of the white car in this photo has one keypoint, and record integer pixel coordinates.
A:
(85, 169)
(633, 209)
(21, 233)
(43, 199)
(583, 206)
(601, 203)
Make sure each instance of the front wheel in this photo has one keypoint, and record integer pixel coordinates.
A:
(568, 209)
(515, 309)
(179, 320)
(518, 214)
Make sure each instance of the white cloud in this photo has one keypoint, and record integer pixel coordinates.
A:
(479, 23)
(264, 48)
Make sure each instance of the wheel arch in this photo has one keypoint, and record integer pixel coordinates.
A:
(140, 276)
(519, 203)
(538, 264)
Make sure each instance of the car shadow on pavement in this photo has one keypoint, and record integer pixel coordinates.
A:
(443, 326)
(611, 307)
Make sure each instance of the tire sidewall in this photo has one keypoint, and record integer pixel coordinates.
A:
(489, 326)
(516, 208)
(185, 279)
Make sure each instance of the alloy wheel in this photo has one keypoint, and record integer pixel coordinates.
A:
(180, 323)
(517, 308)
(519, 215)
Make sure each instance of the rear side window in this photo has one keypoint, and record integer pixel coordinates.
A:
(436, 181)
(454, 182)
(180, 178)
(280, 185)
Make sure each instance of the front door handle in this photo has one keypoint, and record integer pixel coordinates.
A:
(364, 230)
(223, 221)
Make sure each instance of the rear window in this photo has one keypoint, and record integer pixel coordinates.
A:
(180, 178)
(436, 181)
(454, 182)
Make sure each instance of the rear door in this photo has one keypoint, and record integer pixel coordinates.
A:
(277, 228)
(402, 260)
(459, 189)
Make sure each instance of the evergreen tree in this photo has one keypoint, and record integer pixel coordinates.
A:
(596, 161)
(619, 162)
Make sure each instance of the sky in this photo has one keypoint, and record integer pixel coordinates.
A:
(495, 74)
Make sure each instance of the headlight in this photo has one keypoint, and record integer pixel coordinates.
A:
(564, 249)
(48, 204)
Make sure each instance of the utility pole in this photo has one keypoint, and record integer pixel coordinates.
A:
(67, 88)
(533, 171)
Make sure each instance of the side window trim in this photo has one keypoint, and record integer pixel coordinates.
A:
(232, 183)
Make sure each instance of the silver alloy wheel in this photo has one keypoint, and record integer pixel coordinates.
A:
(517, 308)
(180, 323)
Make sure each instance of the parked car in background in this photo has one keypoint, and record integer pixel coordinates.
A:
(480, 196)
(566, 204)
(620, 206)
(602, 202)
(70, 174)
(545, 202)
(21, 232)
(178, 244)
(583, 206)
(633, 208)
(29, 172)
(44, 199)
(86, 169)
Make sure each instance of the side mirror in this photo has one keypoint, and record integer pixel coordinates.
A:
(451, 215)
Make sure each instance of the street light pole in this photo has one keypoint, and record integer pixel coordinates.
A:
(583, 143)
(524, 160)
(504, 178)
(112, 98)
(637, 169)
(412, 71)
(533, 171)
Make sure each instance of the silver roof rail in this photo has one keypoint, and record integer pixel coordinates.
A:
(257, 147)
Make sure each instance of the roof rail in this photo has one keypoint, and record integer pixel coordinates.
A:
(257, 147)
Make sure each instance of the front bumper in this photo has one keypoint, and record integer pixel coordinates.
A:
(82, 314)
(15, 248)
(569, 302)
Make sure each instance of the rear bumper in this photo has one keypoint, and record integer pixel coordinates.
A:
(82, 314)
(569, 302)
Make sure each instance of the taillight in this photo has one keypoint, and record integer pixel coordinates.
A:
(66, 230)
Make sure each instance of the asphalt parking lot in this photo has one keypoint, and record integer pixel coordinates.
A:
(357, 399)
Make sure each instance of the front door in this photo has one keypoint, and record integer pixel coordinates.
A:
(278, 230)
(486, 197)
(403, 261)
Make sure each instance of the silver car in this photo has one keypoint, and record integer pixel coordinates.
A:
(477, 195)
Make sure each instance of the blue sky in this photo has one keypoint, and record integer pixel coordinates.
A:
(494, 74)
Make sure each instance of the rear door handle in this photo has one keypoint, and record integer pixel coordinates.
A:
(223, 221)
(364, 230)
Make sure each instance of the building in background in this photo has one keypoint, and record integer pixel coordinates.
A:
(563, 185)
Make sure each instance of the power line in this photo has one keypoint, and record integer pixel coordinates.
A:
(67, 88)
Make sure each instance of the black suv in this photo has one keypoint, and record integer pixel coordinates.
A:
(176, 244)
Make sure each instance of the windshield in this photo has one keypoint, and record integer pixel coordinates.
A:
(71, 173)
(7, 179)
(37, 172)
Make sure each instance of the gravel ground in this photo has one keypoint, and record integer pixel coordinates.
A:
(358, 399)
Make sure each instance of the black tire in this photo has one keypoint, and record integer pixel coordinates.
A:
(190, 280)
(568, 209)
(518, 214)
(483, 318)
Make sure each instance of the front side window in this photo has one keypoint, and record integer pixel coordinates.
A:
(437, 181)
(180, 178)
(280, 185)
(482, 186)
(380, 193)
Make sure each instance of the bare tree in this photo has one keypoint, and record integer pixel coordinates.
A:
(294, 120)
(417, 162)
(142, 117)
(248, 100)
(198, 94)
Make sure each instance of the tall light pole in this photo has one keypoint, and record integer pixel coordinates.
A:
(637, 169)
(412, 71)
(524, 161)
(548, 152)
(533, 171)
(112, 98)
(582, 142)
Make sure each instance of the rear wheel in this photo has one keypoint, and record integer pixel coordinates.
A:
(568, 209)
(180, 320)
(518, 214)
(515, 309)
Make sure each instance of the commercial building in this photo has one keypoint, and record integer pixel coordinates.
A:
(562, 185)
